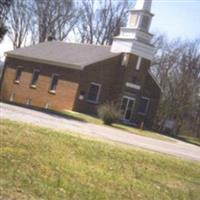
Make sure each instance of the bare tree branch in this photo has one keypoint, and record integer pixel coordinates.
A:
(100, 21)
(54, 18)
(19, 22)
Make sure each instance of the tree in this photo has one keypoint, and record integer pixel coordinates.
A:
(177, 67)
(4, 7)
(19, 19)
(100, 21)
(54, 18)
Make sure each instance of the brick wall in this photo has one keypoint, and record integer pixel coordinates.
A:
(148, 89)
(151, 90)
(66, 90)
(109, 74)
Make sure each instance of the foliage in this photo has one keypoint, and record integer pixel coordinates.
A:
(38, 163)
(88, 21)
(100, 21)
(4, 7)
(54, 18)
(94, 120)
(19, 22)
(177, 67)
(109, 113)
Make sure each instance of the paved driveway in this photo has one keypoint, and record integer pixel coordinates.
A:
(178, 148)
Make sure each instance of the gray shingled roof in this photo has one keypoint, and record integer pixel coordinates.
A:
(72, 55)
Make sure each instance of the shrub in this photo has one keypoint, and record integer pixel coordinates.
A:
(109, 113)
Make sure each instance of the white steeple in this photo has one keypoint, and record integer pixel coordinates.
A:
(143, 5)
(135, 37)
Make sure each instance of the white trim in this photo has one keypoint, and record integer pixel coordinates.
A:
(147, 106)
(12, 97)
(98, 93)
(138, 63)
(29, 101)
(46, 105)
(155, 80)
(134, 101)
(81, 97)
(125, 59)
(133, 86)
(131, 45)
(43, 61)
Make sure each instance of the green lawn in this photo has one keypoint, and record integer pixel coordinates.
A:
(94, 120)
(39, 163)
(189, 139)
(82, 117)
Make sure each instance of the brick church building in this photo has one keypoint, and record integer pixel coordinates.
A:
(80, 77)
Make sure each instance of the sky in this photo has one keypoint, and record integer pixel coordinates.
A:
(175, 18)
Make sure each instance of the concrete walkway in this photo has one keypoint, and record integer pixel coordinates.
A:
(178, 148)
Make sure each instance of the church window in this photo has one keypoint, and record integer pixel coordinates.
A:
(18, 74)
(145, 23)
(94, 92)
(133, 20)
(54, 83)
(144, 105)
(35, 77)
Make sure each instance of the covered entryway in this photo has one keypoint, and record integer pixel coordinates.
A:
(127, 107)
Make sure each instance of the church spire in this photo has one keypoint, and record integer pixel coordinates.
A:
(140, 16)
(135, 37)
(143, 5)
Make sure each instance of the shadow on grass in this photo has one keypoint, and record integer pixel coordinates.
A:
(64, 115)
(48, 111)
(187, 139)
(191, 140)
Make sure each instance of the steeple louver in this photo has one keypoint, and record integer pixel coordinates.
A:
(135, 37)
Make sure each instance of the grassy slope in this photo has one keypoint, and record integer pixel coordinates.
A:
(189, 139)
(39, 163)
(93, 120)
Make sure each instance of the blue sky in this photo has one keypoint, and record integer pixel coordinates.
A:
(175, 18)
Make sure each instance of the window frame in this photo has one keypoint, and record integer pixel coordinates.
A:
(31, 83)
(52, 76)
(17, 81)
(147, 106)
(98, 93)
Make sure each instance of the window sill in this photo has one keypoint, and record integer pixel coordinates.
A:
(52, 91)
(93, 102)
(33, 86)
(16, 82)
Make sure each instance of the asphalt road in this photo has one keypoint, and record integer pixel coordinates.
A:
(177, 148)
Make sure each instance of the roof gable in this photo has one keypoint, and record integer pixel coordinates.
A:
(70, 55)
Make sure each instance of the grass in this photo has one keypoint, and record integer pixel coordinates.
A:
(82, 117)
(190, 139)
(39, 163)
(94, 120)
(145, 133)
